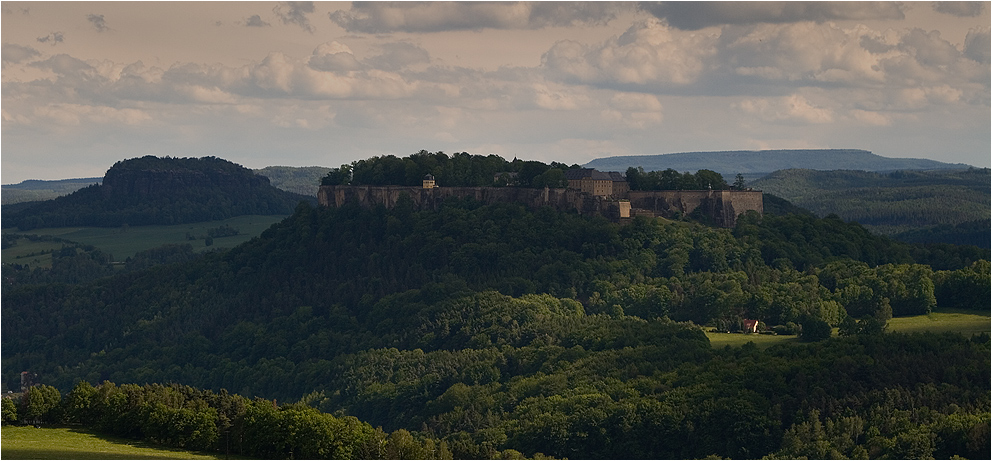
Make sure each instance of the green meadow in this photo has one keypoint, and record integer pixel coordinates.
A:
(124, 242)
(719, 340)
(28, 442)
(943, 320)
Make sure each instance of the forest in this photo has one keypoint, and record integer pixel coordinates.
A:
(152, 190)
(950, 206)
(502, 331)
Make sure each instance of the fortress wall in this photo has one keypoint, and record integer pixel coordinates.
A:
(722, 206)
(431, 199)
(748, 200)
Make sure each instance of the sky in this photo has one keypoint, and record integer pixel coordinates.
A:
(86, 84)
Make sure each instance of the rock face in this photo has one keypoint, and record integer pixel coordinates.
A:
(722, 207)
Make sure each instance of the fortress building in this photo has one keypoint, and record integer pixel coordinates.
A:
(589, 192)
(599, 183)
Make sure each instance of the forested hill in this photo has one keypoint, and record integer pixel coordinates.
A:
(950, 206)
(498, 328)
(729, 163)
(153, 190)
(300, 180)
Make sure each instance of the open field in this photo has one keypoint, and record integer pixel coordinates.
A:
(719, 340)
(965, 323)
(34, 254)
(938, 322)
(123, 243)
(27, 442)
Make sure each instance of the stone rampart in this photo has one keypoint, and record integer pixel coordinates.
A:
(721, 206)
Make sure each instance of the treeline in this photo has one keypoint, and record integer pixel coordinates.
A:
(151, 190)
(670, 179)
(228, 424)
(458, 169)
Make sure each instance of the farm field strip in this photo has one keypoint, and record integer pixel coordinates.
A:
(27, 442)
(937, 322)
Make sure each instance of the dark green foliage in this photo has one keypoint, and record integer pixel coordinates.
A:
(459, 169)
(949, 206)
(194, 419)
(152, 190)
(165, 254)
(967, 233)
(9, 410)
(501, 331)
(673, 180)
(39, 404)
(815, 330)
(966, 288)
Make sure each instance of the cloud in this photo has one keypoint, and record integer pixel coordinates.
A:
(698, 15)
(7, 9)
(789, 109)
(98, 22)
(54, 37)
(397, 55)
(871, 118)
(647, 54)
(633, 110)
(13, 53)
(77, 114)
(256, 21)
(802, 54)
(295, 13)
(385, 17)
(961, 9)
(333, 57)
(977, 45)
(64, 64)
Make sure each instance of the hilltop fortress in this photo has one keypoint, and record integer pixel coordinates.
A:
(589, 192)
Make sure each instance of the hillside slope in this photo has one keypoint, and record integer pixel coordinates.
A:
(729, 163)
(152, 190)
(499, 327)
(913, 202)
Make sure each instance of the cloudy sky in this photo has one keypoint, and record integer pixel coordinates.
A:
(299, 83)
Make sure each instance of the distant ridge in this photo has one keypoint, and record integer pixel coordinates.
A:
(38, 189)
(767, 161)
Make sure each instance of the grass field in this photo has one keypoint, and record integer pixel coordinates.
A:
(123, 243)
(719, 340)
(965, 323)
(28, 442)
(943, 320)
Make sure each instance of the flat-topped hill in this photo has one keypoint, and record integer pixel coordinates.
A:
(767, 161)
(152, 190)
